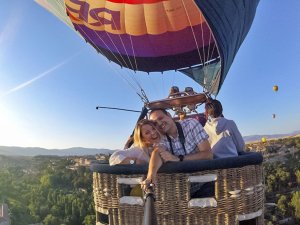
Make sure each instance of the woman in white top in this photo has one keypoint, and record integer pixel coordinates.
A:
(146, 138)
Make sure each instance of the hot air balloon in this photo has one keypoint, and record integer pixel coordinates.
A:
(273, 116)
(199, 38)
(275, 88)
(263, 139)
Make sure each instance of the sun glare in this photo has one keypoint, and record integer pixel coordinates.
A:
(11, 131)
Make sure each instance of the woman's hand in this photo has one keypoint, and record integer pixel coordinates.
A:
(167, 156)
(150, 180)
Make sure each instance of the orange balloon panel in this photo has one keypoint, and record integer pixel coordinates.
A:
(151, 28)
(135, 19)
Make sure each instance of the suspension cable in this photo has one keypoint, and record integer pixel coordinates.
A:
(141, 95)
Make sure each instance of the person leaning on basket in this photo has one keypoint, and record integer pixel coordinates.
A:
(224, 136)
(184, 140)
(146, 139)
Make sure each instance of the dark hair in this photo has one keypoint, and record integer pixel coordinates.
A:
(159, 109)
(214, 108)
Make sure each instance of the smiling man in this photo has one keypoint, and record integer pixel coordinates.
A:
(185, 140)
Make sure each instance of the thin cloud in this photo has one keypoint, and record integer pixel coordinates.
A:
(10, 29)
(43, 74)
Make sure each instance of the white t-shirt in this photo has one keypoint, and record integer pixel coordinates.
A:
(119, 155)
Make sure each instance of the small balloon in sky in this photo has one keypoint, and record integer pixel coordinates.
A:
(273, 115)
(263, 139)
(275, 88)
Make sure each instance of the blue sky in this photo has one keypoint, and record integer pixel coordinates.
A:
(51, 81)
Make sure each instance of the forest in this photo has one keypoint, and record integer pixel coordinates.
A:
(43, 190)
(282, 181)
(46, 190)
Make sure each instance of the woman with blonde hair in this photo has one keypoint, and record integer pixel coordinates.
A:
(146, 138)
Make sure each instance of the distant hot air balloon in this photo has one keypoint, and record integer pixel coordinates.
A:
(275, 88)
(273, 116)
(263, 139)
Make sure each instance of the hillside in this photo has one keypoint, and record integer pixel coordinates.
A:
(32, 151)
(282, 179)
(258, 137)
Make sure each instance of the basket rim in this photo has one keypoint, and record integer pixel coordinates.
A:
(244, 159)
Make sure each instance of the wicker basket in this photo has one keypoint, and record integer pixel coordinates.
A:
(238, 192)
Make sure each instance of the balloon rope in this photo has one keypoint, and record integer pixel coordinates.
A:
(205, 68)
(210, 57)
(114, 43)
(142, 93)
(131, 65)
(210, 53)
(136, 68)
(205, 57)
(135, 80)
(99, 50)
(203, 43)
(194, 36)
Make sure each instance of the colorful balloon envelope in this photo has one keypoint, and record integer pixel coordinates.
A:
(263, 139)
(275, 88)
(198, 38)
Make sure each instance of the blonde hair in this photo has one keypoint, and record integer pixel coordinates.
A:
(138, 139)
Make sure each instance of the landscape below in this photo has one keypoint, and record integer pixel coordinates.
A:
(58, 189)
(34, 151)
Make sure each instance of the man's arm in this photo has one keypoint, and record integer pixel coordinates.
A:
(204, 152)
(199, 136)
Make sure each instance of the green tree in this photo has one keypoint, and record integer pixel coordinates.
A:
(282, 204)
(282, 174)
(56, 211)
(297, 173)
(51, 220)
(90, 220)
(295, 202)
(42, 191)
(271, 181)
